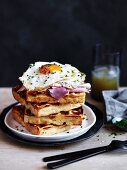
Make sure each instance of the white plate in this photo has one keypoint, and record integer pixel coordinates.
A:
(19, 130)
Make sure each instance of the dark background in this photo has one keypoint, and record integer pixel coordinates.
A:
(59, 30)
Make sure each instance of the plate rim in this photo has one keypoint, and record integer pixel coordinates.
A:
(91, 132)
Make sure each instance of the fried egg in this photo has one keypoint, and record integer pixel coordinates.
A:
(43, 74)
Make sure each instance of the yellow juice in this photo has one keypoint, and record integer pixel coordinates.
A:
(104, 78)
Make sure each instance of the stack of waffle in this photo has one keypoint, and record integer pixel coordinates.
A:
(44, 114)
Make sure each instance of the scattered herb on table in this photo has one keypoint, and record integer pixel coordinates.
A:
(114, 134)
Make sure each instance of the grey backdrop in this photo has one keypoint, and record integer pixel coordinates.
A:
(59, 30)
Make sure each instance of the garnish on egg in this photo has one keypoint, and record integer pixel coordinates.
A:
(43, 74)
(49, 68)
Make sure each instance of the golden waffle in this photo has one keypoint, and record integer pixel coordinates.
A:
(44, 109)
(72, 117)
(45, 130)
(40, 97)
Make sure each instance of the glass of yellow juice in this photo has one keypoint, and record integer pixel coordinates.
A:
(104, 78)
(106, 73)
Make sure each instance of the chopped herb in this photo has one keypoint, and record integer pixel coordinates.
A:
(31, 65)
(73, 72)
(82, 74)
(122, 123)
(113, 133)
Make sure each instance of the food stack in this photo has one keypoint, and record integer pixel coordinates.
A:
(51, 97)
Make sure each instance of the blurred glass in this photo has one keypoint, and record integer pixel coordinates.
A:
(105, 73)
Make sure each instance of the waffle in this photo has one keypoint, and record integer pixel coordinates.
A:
(44, 109)
(40, 97)
(72, 117)
(45, 130)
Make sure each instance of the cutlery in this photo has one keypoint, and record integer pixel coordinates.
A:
(67, 158)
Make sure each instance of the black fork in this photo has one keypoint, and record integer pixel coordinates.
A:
(67, 158)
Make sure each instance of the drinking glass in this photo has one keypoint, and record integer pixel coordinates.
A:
(105, 73)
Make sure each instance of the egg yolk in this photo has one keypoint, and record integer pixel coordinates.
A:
(49, 68)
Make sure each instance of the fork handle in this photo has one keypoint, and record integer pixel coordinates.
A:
(94, 151)
(71, 154)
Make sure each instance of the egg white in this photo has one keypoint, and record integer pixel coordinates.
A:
(69, 76)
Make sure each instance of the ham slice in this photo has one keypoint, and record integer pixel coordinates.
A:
(58, 92)
(79, 90)
(22, 88)
(85, 88)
